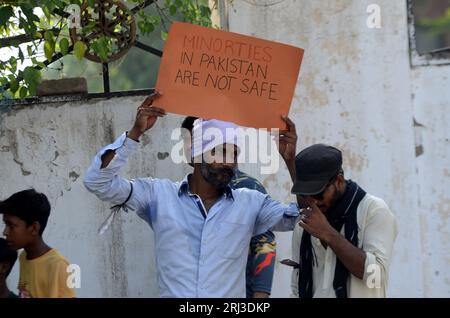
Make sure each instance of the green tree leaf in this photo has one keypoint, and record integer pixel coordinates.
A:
(21, 57)
(13, 86)
(164, 35)
(36, 62)
(79, 49)
(48, 50)
(32, 77)
(64, 46)
(173, 9)
(49, 36)
(150, 27)
(100, 47)
(29, 24)
(205, 11)
(141, 26)
(23, 92)
(12, 64)
(5, 13)
(47, 13)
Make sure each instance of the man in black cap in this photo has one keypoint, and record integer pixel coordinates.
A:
(344, 241)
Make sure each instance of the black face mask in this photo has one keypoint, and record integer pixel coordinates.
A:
(217, 177)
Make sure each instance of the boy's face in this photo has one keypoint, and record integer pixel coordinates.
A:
(17, 233)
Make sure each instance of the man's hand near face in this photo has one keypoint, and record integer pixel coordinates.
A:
(316, 224)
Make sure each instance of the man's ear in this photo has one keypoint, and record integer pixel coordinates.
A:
(35, 228)
(341, 181)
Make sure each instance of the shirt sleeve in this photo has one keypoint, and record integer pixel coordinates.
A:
(276, 216)
(378, 242)
(107, 185)
(262, 262)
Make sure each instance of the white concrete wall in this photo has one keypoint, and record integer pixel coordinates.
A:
(49, 147)
(357, 91)
(431, 99)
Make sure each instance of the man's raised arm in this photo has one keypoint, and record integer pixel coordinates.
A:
(102, 176)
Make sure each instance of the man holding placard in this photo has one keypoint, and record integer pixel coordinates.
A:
(202, 227)
(262, 249)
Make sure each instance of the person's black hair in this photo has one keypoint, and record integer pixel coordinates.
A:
(188, 123)
(28, 205)
(7, 254)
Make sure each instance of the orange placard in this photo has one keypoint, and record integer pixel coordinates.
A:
(210, 73)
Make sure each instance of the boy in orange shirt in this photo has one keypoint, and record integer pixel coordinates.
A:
(43, 270)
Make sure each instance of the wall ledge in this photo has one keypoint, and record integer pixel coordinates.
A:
(73, 97)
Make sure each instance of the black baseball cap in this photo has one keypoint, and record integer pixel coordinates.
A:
(315, 167)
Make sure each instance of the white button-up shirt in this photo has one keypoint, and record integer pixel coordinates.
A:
(198, 254)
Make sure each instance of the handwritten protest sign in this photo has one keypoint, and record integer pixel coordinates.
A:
(210, 73)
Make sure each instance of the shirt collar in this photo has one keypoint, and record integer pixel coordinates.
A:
(184, 188)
